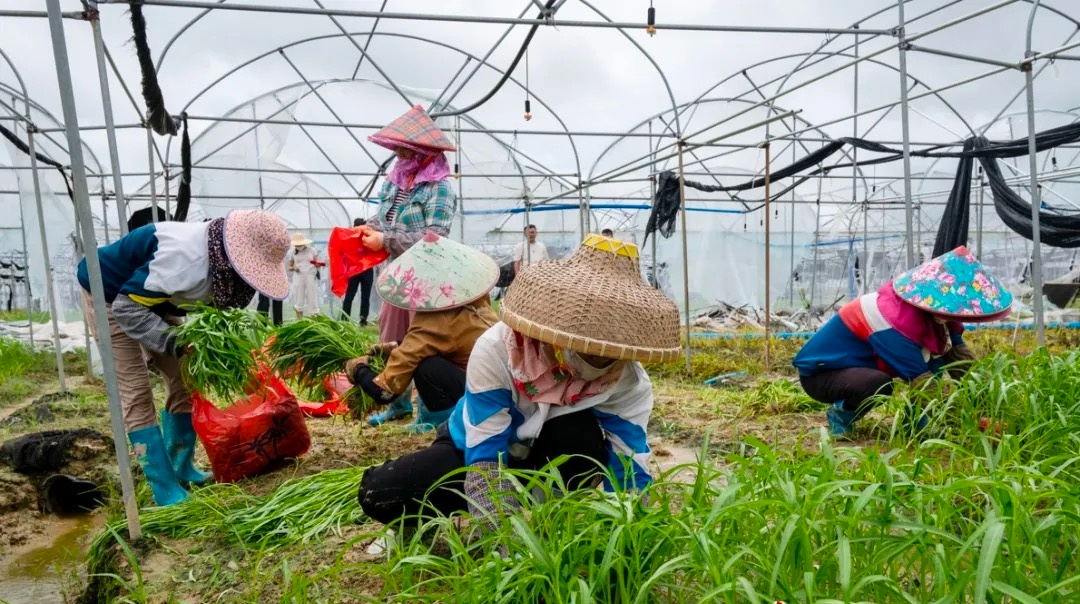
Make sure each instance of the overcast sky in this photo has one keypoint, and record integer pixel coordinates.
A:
(593, 79)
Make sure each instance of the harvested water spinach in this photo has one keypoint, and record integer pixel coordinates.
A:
(222, 349)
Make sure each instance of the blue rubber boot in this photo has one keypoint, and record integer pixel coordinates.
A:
(921, 420)
(427, 420)
(151, 454)
(840, 420)
(400, 407)
(180, 443)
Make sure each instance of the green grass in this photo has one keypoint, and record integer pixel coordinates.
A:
(15, 316)
(22, 370)
(958, 514)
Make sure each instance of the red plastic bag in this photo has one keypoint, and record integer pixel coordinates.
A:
(256, 431)
(349, 257)
(336, 386)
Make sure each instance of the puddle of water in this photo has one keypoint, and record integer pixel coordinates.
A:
(36, 574)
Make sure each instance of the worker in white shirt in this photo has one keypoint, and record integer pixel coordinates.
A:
(531, 254)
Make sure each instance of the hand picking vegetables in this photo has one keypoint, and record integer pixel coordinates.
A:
(315, 347)
(222, 349)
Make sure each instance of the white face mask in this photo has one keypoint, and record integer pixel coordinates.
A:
(582, 369)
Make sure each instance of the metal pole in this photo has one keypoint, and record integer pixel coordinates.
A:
(165, 183)
(768, 265)
(1036, 200)
(908, 219)
(460, 194)
(685, 257)
(652, 201)
(865, 265)
(106, 106)
(586, 216)
(86, 227)
(791, 242)
(105, 212)
(979, 225)
(49, 288)
(153, 185)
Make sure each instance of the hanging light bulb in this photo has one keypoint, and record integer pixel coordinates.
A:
(651, 27)
(528, 110)
(457, 170)
(528, 103)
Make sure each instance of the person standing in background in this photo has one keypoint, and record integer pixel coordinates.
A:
(264, 306)
(536, 251)
(304, 265)
(363, 281)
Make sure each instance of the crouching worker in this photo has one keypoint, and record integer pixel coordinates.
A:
(146, 274)
(446, 285)
(909, 329)
(560, 375)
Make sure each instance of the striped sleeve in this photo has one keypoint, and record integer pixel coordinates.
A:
(625, 419)
(485, 415)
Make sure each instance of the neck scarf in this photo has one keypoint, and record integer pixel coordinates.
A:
(541, 373)
(227, 288)
(418, 169)
(914, 324)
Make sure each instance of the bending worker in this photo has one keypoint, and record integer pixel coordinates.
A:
(909, 329)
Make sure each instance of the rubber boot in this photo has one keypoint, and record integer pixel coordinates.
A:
(918, 420)
(400, 407)
(840, 420)
(180, 443)
(151, 454)
(427, 420)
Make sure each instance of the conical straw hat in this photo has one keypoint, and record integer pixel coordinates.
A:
(594, 302)
(437, 274)
(415, 130)
(955, 285)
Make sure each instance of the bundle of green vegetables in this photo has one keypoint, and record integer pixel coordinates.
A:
(316, 347)
(222, 349)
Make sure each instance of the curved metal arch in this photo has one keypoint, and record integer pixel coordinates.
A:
(659, 70)
(237, 68)
(35, 106)
(319, 84)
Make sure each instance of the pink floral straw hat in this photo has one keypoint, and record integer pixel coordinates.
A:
(437, 274)
(256, 243)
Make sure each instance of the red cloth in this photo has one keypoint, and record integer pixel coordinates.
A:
(349, 257)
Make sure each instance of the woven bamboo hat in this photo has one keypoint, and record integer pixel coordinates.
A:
(594, 302)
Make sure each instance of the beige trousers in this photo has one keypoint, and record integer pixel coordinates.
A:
(133, 376)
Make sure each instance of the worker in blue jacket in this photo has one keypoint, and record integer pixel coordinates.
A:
(910, 329)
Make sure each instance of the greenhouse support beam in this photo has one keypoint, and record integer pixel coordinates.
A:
(962, 57)
(367, 44)
(1036, 197)
(296, 10)
(50, 289)
(153, 180)
(483, 60)
(37, 14)
(97, 290)
(685, 259)
(767, 219)
(906, 134)
(106, 107)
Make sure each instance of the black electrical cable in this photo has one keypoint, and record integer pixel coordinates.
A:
(506, 75)
(22, 146)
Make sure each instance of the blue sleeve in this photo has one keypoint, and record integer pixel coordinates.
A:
(628, 450)
(901, 354)
(487, 424)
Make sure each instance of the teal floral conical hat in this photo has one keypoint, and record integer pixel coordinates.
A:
(437, 274)
(957, 286)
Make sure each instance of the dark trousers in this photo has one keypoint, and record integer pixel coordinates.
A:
(264, 307)
(431, 481)
(855, 387)
(362, 281)
(440, 383)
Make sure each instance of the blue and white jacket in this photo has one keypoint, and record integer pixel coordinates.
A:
(150, 271)
(493, 414)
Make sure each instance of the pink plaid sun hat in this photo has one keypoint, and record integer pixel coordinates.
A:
(256, 243)
(415, 130)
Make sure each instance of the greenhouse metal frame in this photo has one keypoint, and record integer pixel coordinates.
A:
(674, 142)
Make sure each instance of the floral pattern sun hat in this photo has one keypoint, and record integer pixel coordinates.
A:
(955, 285)
(437, 274)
